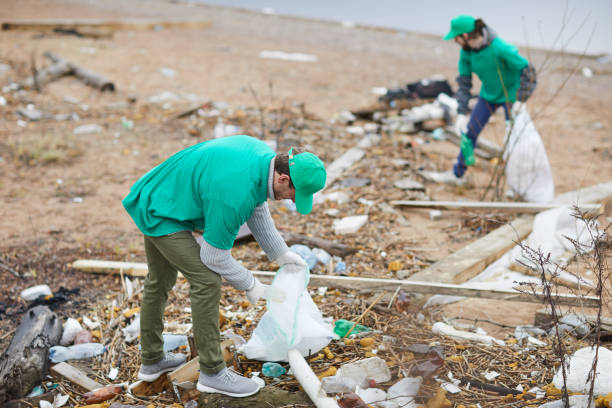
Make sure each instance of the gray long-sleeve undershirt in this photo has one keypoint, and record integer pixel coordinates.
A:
(266, 234)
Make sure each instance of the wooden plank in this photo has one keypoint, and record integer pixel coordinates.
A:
(75, 375)
(49, 25)
(543, 317)
(469, 261)
(599, 193)
(188, 372)
(509, 207)
(408, 285)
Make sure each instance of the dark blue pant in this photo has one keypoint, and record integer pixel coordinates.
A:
(478, 119)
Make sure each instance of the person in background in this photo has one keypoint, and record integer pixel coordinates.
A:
(215, 186)
(507, 79)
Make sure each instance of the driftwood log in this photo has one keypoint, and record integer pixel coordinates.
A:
(331, 247)
(267, 397)
(26, 361)
(61, 67)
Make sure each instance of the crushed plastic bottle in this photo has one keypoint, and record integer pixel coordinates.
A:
(340, 268)
(322, 255)
(306, 254)
(467, 150)
(57, 354)
(341, 327)
(103, 394)
(272, 369)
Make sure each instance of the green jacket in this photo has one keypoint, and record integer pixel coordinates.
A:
(498, 67)
(213, 186)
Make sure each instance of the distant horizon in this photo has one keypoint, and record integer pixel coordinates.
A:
(535, 24)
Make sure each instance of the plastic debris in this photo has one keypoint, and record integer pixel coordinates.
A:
(322, 255)
(288, 56)
(340, 268)
(578, 367)
(104, 393)
(71, 328)
(374, 368)
(351, 400)
(349, 225)
(34, 292)
(273, 369)
(57, 354)
(82, 337)
(342, 327)
(306, 254)
(446, 330)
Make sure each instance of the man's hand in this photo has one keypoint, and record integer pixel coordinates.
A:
(290, 258)
(259, 290)
(461, 123)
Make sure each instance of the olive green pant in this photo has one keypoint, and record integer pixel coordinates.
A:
(165, 256)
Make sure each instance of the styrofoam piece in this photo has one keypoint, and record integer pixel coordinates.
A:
(309, 381)
(444, 329)
(374, 368)
(403, 391)
(349, 225)
(33, 292)
(71, 328)
(370, 395)
(580, 364)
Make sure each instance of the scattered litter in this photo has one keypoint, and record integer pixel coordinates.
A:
(446, 330)
(306, 253)
(435, 215)
(587, 72)
(490, 375)
(373, 368)
(272, 369)
(342, 327)
(409, 184)
(57, 354)
(167, 72)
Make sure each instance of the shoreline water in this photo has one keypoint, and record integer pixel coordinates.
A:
(577, 48)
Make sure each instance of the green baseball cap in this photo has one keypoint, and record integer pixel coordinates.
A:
(461, 24)
(308, 175)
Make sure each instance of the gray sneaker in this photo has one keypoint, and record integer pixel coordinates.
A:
(170, 362)
(227, 382)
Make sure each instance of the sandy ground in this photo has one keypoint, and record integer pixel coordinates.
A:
(39, 213)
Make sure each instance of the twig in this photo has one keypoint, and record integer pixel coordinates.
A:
(364, 313)
(11, 270)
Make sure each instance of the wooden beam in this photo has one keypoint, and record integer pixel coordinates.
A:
(332, 247)
(75, 376)
(386, 284)
(469, 261)
(510, 207)
(599, 193)
(49, 25)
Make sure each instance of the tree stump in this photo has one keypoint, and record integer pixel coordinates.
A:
(26, 361)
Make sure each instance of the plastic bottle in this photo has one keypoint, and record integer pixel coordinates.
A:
(467, 150)
(34, 292)
(273, 369)
(57, 354)
(306, 254)
(322, 255)
(103, 394)
(174, 341)
(340, 268)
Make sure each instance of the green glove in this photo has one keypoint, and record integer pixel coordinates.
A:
(467, 150)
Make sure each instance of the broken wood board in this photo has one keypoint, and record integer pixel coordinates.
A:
(543, 317)
(368, 283)
(510, 207)
(472, 259)
(75, 376)
(188, 372)
(146, 389)
(558, 280)
(350, 157)
(49, 25)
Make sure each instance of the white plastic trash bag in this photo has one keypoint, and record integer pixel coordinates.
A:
(528, 172)
(294, 323)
